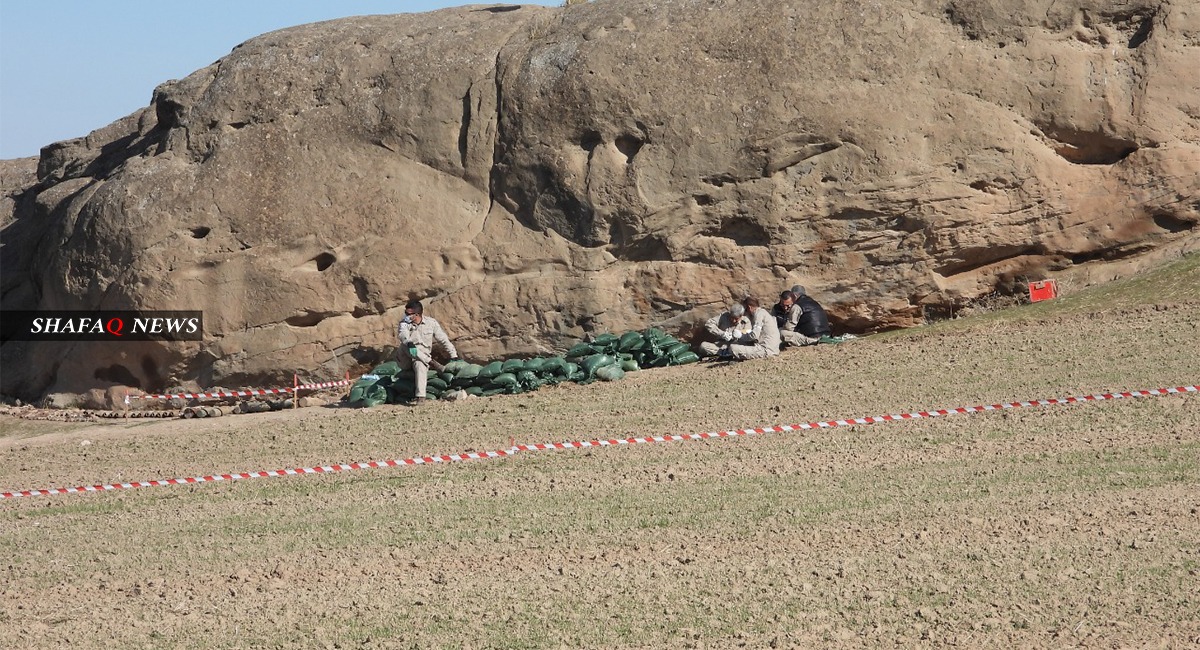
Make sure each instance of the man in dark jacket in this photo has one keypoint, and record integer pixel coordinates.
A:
(787, 316)
(802, 320)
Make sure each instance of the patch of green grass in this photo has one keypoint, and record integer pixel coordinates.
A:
(1174, 282)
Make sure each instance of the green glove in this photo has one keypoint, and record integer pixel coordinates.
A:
(412, 350)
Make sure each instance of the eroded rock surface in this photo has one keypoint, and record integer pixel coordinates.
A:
(537, 173)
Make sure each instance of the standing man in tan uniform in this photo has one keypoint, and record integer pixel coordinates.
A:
(418, 333)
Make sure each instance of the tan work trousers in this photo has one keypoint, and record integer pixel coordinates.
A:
(420, 370)
(796, 339)
(744, 352)
(736, 351)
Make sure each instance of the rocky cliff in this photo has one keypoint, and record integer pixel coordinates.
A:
(537, 173)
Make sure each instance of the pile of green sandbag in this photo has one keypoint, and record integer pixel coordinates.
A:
(606, 357)
(387, 383)
(652, 348)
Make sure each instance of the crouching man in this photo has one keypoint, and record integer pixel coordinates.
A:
(813, 323)
(418, 334)
(788, 315)
(745, 331)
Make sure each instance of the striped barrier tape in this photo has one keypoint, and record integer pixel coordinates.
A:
(581, 444)
(327, 469)
(246, 393)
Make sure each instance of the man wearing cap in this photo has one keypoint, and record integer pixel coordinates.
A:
(418, 333)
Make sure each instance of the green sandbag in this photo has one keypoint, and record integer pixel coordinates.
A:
(399, 381)
(491, 370)
(676, 348)
(374, 395)
(401, 391)
(686, 357)
(678, 352)
(570, 369)
(360, 387)
(505, 379)
(630, 365)
(666, 341)
(463, 382)
(529, 380)
(656, 338)
(581, 350)
(605, 340)
(534, 365)
(436, 383)
(389, 369)
(446, 376)
(650, 346)
(610, 373)
(470, 371)
(513, 365)
(453, 367)
(631, 341)
(593, 363)
(579, 377)
(553, 366)
(374, 400)
(474, 390)
(660, 361)
(501, 388)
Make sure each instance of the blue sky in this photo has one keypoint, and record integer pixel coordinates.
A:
(68, 67)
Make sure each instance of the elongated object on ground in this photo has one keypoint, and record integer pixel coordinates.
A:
(515, 449)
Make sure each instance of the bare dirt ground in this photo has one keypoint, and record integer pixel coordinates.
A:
(1062, 526)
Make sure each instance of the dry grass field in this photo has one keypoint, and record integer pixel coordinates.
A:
(1051, 527)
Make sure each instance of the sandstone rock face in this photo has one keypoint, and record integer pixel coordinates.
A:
(538, 173)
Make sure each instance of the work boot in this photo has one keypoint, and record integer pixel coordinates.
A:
(417, 401)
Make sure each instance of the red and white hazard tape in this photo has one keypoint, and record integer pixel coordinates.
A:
(851, 422)
(246, 393)
(427, 460)
(327, 469)
(327, 384)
